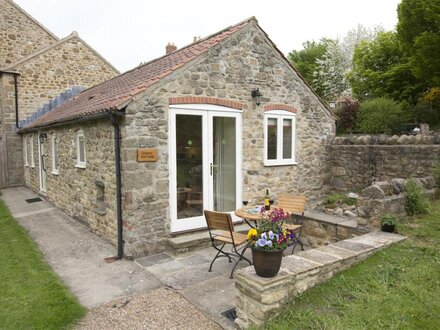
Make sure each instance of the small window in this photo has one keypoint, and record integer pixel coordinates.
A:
(81, 150)
(31, 151)
(279, 138)
(54, 155)
(25, 151)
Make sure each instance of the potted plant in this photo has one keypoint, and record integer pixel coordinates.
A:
(388, 222)
(268, 241)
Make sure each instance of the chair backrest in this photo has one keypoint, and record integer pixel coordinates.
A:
(219, 220)
(293, 203)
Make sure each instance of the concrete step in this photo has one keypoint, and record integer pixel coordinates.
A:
(194, 241)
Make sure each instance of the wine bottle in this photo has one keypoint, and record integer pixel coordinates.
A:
(267, 200)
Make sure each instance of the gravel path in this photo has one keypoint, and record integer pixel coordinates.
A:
(161, 308)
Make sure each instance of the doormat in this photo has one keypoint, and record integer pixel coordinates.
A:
(230, 314)
(34, 200)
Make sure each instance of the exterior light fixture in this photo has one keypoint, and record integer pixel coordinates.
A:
(256, 95)
(42, 136)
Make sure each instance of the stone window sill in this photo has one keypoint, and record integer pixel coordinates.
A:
(55, 172)
(82, 166)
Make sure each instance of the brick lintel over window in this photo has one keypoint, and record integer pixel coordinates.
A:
(206, 100)
(284, 107)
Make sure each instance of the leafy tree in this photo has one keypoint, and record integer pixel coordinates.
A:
(330, 73)
(427, 109)
(418, 30)
(380, 115)
(380, 69)
(304, 61)
(337, 61)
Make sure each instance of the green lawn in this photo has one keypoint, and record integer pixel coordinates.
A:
(398, 288)
(31, 295)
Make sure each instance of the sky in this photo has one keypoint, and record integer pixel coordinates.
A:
(128, 32)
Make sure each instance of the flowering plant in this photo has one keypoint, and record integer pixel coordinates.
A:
(269, 233)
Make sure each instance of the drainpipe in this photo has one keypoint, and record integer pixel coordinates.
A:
(16, 100)
(114, 120)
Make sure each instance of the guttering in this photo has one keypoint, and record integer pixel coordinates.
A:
(114, 116)
(15, 74)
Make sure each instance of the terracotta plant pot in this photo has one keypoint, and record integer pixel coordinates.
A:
(267, 263)
(388, 228)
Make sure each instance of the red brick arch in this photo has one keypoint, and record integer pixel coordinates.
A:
(285, 107)
(206, 100)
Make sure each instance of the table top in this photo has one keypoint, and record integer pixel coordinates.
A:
(245, 214)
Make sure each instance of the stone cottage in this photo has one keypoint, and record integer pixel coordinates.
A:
(37, 72)
(138, 157)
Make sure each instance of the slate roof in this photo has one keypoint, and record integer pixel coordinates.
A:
(118, 92)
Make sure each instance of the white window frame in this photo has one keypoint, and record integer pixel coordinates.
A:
(32, 151)
(54, 153)
(79, 163)
(25, 151)
(280, 115)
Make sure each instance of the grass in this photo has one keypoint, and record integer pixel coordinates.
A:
(397, 288)
(334, 199)
(31, 295)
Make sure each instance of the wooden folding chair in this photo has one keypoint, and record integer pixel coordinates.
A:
(221, 232)
(295, 204)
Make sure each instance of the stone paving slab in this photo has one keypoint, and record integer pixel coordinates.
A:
(336, 251)
(154, 259)
(353, 246)
(318, 256)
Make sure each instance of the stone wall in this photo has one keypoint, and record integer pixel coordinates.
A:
(20, 35)
(357, 162)
(69, 63)
(47, 67)
(87, 194)
(389, 197)
(228, 71)
(11, 173)
(260, 299)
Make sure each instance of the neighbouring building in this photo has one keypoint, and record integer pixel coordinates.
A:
(38, 71)
(202, 127)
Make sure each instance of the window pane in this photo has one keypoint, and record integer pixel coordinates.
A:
(189, 158)
(287, 138)
(272, 138)
(55, 154)
(81, 149)
(224, 172)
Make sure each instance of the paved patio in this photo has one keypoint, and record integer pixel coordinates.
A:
(77, 256)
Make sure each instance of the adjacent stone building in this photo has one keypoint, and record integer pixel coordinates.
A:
(203, 127)
(37, 72)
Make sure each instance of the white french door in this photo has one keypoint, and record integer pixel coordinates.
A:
(205, 163)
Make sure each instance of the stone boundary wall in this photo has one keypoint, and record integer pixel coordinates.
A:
(259, 299)
(357, 162)
(389, 197)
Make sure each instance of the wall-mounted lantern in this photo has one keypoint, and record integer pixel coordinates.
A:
(256, 95)
(42, 136)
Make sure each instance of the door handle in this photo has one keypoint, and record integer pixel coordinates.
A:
(211, 165)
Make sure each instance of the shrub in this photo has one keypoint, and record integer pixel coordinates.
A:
(389, 219)
(334, 199)
(416, 201)
(380, 115)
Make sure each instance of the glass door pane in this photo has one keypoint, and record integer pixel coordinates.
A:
(223, 168)
(189, 160)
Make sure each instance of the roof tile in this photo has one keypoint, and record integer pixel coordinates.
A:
(116, 92)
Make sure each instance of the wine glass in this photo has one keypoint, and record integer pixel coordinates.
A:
(271, 201)
(245, 203)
